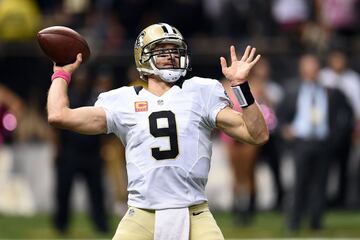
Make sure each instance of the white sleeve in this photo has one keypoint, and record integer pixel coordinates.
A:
(216, 101)
(105, 102)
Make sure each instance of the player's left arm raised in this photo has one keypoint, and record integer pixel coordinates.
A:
(248, 126)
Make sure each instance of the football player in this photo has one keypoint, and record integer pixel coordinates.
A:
(166, 130)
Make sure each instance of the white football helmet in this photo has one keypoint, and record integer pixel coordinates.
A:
(145, 54)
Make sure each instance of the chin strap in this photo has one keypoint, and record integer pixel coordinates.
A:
(170, 75)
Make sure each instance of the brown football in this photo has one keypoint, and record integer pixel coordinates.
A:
(62, 44)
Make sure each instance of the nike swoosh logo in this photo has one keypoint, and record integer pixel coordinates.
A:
(197, 213)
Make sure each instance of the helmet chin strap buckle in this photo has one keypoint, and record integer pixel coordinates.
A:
(168, 75)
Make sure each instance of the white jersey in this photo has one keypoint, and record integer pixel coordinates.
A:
(167, 140)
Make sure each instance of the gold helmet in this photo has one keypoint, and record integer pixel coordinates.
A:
(145, 55)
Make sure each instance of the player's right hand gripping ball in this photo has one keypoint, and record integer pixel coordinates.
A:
(62, 44)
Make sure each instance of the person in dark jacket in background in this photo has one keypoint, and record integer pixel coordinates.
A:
(314, 119)
(79, 156)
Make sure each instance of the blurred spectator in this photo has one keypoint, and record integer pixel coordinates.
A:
(232, 18)
(315, 37)
(79, 156)
(32, 128)
(11, 111)
(11, 101)
(338, 75)
(269, 94)
(16, 196)
(310, 119)
(291, 15)
(242, 158)
(112, 150)
(34, 151)
(19, 20)
(339, 17)
(213, 10)
(15, 191)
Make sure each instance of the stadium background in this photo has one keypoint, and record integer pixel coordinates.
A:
(110, 27)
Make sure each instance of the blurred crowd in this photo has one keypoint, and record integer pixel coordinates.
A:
(307, 84)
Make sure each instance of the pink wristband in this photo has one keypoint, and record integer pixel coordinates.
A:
(62, 74)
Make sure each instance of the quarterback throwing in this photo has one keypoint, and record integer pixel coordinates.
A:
(166, 130)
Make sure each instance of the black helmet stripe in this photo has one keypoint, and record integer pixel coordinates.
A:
(164, 28)
(167, 28)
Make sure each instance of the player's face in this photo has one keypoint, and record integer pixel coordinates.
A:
(167, 56)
